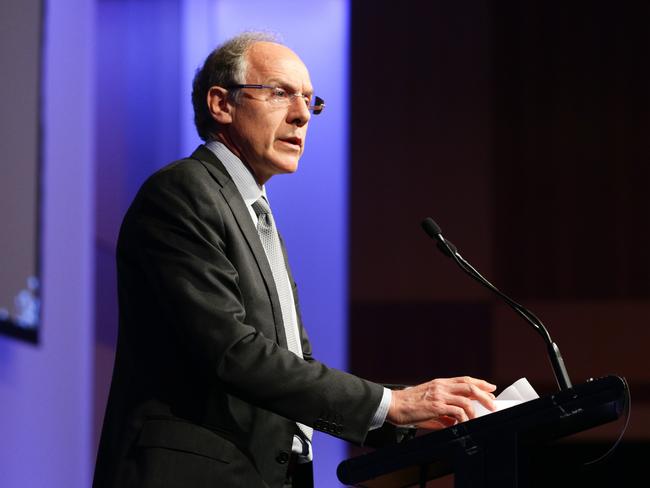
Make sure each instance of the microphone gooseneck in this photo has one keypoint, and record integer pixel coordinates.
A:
(449, 250)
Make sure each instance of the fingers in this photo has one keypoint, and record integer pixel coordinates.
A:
(474, 389)
(440, 402)
(478, 383)
(460, 413)
(448, 398)
(452, 397)
(486, 399)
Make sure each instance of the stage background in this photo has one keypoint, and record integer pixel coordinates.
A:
(521, 127)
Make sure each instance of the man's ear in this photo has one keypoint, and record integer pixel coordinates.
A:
(219, 106)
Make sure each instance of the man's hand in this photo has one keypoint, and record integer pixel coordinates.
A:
(440, 403)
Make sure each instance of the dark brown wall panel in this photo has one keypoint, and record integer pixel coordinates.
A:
(408, 343)
(420, 146)
(522, 128)
(571, 146)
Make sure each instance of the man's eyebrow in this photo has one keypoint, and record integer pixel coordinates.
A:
(278, 81)
(286, 84)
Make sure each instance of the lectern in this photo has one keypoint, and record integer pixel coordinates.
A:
(494, 450)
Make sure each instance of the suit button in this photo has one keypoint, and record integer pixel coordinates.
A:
(283, 457)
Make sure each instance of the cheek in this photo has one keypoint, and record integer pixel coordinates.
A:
(256, 130)
(271, 137)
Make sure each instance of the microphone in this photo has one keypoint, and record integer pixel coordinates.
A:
(449, 250)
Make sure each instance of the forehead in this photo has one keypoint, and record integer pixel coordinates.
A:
(269, 61)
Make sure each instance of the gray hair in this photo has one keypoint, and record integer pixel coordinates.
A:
(225, 66)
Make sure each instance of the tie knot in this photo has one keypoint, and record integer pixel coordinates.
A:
(261, 207)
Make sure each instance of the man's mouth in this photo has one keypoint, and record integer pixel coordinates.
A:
(294, 141)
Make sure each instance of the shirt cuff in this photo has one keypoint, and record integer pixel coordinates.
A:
(302, 448)
(382, 410)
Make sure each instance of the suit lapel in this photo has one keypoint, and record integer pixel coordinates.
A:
(240, 212)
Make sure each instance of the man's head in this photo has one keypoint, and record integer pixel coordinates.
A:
(264, 125)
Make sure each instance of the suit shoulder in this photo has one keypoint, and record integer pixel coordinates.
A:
(184, 189)
(183, 171)
(186, 181)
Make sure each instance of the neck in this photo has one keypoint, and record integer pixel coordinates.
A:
(227, 141)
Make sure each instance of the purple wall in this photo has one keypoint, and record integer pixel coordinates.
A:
(45, 391)
(145, 125)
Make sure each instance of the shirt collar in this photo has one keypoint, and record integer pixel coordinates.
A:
(248, 188)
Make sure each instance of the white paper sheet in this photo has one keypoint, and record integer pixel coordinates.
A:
(520, 391)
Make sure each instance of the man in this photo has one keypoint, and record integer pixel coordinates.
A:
(214, 381)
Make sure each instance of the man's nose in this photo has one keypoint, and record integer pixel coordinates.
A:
(298, 113)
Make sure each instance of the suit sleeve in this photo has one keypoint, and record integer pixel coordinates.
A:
(174, 231)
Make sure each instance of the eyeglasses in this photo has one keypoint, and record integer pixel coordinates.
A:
(282, 98)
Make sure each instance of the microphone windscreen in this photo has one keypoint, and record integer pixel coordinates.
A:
(431, 228)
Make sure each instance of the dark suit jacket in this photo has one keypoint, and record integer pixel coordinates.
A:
(204, 391)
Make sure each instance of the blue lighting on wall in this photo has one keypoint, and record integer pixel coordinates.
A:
(117, 107)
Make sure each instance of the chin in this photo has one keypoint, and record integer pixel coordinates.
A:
(287, 167)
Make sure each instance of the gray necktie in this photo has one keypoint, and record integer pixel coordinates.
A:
(271, 242)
